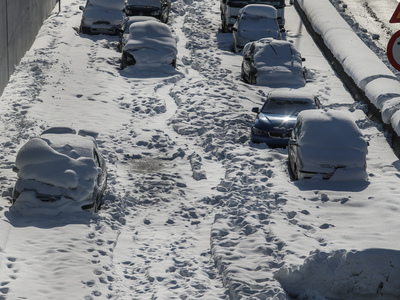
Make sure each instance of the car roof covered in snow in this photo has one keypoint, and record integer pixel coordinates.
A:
(261, 10)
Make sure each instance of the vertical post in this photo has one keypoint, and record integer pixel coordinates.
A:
(59, 5)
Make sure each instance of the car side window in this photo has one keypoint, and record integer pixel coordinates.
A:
(296, 130)
(317, 102)
(96, 159)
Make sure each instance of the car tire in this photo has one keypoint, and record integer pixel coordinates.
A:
(85, 30)
(235, 48)
(224, 28)
(242, 73)
(294, 171)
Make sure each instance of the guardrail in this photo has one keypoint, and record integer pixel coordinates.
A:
(20, 21)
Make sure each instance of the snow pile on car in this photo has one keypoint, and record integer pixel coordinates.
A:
(330, 129)
(151, 43)
(367, 274)
(332, 139)
(55, 168)
(278, 63)
(260, 10)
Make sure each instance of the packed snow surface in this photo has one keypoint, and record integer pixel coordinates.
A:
(193, 209)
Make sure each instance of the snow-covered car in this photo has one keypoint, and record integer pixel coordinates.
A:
(124, 33)
(102, 17)
(276, 118)
(150, 44)
(154, 8)
(230, 10)
(254, 22)
(328, 144)
(60, 170)
(273, 63)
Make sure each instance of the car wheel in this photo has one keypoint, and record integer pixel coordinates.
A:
(224, 25)
(85, 30)
(235, 48)
(294, 171)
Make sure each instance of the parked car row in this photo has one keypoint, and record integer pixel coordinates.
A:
(320, 143)
(144, 38)
(107, 16)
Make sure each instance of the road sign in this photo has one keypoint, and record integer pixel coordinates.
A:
(396, 16)
(393, 50)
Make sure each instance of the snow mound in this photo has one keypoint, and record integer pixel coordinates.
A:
(356, 275)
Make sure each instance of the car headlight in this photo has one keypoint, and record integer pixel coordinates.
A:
(257, 131)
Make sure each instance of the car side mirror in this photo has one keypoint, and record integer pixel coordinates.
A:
(292, 142)
(291, 2)
(234, 29)
(255, 110)
(15, 169)
(82, 7)
(303, 59)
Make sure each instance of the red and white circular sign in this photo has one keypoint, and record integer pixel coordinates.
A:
(393, 50)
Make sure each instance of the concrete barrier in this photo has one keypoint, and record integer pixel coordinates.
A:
(20, 21)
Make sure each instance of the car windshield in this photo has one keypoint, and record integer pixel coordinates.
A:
(239, 3)
(286, 107)
(251, 22)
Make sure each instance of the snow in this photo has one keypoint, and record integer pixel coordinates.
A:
(193, 209)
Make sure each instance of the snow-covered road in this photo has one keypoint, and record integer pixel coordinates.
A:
(193, 208)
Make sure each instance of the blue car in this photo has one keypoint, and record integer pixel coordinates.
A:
(275, 120)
